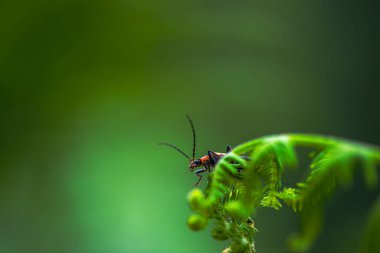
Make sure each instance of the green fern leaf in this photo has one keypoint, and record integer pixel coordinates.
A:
(250, 176)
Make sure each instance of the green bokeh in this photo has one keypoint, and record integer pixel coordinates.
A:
(89, 87)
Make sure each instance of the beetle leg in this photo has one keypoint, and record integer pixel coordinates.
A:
(198, 173)
(229, 149)
(208, 167)
(212, 155)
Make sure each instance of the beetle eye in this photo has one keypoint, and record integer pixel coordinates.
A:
(197, 162)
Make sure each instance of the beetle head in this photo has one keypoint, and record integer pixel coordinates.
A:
(194, 164)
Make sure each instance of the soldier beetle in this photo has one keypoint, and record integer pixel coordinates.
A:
(207, 162)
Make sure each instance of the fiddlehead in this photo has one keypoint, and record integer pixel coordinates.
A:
(251, 176)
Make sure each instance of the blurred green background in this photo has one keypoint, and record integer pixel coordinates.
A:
(89, 87)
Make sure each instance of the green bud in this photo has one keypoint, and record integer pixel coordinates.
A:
(196, 199)
(220, 234)
(241, 246)
(237, 209)
(197, 222)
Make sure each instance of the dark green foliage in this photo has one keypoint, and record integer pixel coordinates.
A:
(371, 242)
(232, 196)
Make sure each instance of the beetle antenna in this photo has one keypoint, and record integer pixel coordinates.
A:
(170, 145)
(192, 128)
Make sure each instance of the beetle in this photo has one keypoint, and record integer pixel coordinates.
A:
(207, 162)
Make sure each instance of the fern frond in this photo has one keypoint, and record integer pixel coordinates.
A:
(370, 240)
(238, 185)
(370, 172)
(311, 220)
(269, 160)
(323, 178)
